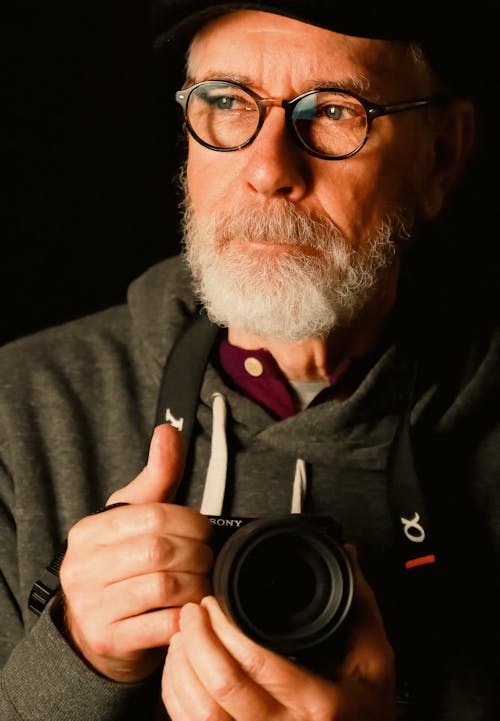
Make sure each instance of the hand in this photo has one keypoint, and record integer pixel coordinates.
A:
(127, 571)
(213, 671)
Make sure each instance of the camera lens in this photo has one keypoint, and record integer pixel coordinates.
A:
(286, 582)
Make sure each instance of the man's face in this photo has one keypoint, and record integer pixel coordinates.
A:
(272, 185)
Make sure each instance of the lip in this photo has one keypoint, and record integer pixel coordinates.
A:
(272, 247)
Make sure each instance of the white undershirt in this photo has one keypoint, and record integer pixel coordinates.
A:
(308, 390)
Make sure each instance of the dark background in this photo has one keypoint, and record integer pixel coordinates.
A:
(87, 200)
(86, 203)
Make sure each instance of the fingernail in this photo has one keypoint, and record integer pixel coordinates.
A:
(208, 602)
(190, 613)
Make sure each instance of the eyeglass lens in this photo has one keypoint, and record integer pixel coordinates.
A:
(225, 116)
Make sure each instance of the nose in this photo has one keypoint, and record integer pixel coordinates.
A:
(276, 166)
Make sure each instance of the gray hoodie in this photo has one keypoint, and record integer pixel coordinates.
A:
(77, 408)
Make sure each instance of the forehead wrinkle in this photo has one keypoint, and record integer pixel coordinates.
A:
(289, 55)
(365, 65)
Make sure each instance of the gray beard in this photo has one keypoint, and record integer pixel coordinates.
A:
(290, 296)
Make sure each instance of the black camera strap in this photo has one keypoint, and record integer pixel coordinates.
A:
(178, 399)
(177, 403)
(183, 374)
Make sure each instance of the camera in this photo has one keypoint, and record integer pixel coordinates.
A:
(286, 581)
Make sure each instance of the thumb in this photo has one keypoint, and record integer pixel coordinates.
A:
(160, 477)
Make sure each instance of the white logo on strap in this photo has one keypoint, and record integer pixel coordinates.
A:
(175, 422)
(412, 529)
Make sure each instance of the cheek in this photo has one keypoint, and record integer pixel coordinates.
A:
(362, 191)
(355, 196)
(209, 175)
(196, 176)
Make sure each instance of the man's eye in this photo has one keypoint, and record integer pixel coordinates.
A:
(229, 102)
(334, 112)
(221, 102)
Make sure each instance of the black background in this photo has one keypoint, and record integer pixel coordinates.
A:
(88, 203)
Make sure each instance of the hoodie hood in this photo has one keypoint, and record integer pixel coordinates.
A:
(160, 302)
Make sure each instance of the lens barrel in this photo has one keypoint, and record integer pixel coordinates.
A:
(286, 582)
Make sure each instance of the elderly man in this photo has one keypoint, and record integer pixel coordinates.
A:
(316, 149)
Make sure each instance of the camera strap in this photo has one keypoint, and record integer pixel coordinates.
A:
(177, 403)
(178, 400)
(183, 374)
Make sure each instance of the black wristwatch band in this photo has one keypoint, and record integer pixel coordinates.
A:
(47, 585)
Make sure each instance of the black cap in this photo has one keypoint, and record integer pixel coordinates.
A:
(451, 36)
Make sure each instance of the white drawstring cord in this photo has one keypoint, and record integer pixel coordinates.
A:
(299, 486)
(215, 481)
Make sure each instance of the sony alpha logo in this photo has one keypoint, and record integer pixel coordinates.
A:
(415, 532)
(413, 529)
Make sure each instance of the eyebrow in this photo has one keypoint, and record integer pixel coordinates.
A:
(350, 84)
(230, 77)
(353, 83)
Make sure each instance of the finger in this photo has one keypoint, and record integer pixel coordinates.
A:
(221, 675)
(146, 554)
(287, 682)
(128, 639)
(302, 692)
(151, 591)
(155, 519)
(145, 631)
(159, 479)
(184, 696)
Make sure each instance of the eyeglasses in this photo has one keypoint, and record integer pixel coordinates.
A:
(328, 123)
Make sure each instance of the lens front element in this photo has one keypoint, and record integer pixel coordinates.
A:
(286, 582)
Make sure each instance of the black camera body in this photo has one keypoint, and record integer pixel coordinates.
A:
(286, 581)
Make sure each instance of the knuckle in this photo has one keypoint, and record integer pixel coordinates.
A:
(255, 664)
(75, 533)
(228, 686)
(70, 576)
(98, 640)
(156, 552)
(153, 518)
(114, 521)
(166, 588)
(214, 713)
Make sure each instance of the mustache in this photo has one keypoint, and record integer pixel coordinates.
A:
(281, 223)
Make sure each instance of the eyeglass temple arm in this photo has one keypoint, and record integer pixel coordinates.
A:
(375, 111)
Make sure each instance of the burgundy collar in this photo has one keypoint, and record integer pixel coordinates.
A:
(257, 375)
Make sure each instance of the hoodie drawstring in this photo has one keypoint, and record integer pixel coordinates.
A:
(215, 480)
(299, 486)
